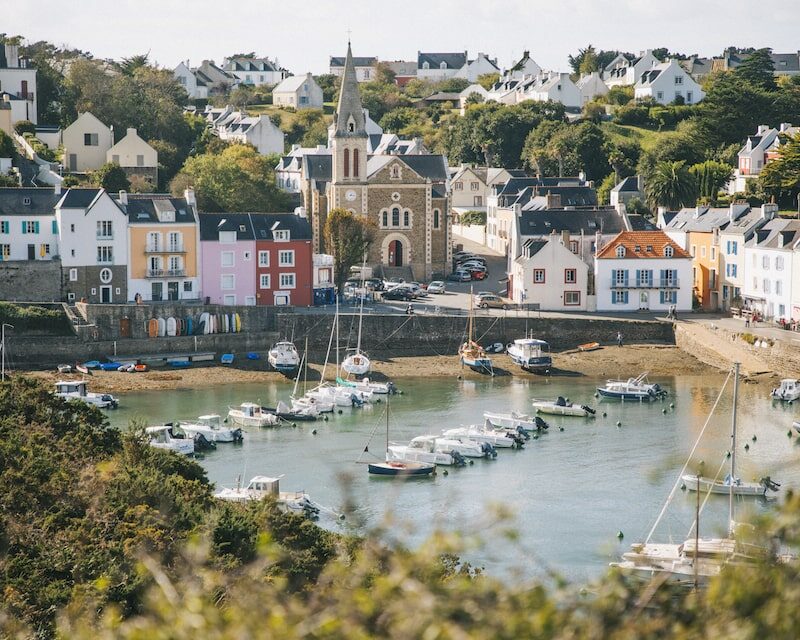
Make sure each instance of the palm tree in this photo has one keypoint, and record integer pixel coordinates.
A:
(129, 66)
(672, 186)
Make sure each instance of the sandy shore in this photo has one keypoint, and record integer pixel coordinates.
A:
(658, 360)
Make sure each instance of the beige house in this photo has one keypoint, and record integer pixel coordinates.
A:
(135, 156)
(300, 92)
(86, 142)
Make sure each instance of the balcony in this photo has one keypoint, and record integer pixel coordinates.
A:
(104, 236)
(649, 284)
(164, 248)
(106, 262)
(166, 273)
(24, 95)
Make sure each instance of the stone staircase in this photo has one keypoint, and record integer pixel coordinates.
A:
(397, 272)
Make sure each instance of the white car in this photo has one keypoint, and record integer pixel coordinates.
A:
(437, 286)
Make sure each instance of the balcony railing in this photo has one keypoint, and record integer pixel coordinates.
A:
(646, 284)
(164, 248)
(105, 261)
(166, 273)
(24, 96)
(104, 236)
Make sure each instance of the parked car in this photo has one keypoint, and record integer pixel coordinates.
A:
(376, 284)
(414, 288)
(471, 258)
(471, 264)
(437, 286)
(493, 302)
(476, 275)
(460, 276)
(476, 299)
(398, 293)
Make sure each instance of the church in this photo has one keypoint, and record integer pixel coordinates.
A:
(405, 195)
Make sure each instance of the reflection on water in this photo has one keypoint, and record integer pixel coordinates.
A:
(570, 491)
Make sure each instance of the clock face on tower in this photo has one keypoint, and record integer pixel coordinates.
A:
(350, 195)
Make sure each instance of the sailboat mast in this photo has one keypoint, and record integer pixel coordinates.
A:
(387, 426)
(305, 370)
(731, 501)
(336, 320)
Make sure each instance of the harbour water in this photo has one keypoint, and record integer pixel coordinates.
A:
(570, 491)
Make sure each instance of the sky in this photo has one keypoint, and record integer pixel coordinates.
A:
(302, 34)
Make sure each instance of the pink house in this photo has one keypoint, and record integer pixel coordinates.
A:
(228, 249)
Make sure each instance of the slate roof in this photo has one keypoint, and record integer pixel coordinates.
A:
(41, 201)
(79, 198)
(263, 224)
(627, 185)
(786, 62)
(292, 83)
(656, 241)
(779, 233)
(428, 166)
(649, 76)
(531, 247)
(212, 223)
(570, 196)
(590, 220)
(359, 61)
(443, 96)
(250, 64)
(349, 105)
(452, 60)
(318, 167)
(144, 208)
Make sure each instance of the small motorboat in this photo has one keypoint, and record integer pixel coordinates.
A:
(400, 468)
(92, 364)
(283, 357)
(497, 438)
(294, 413)
(163, 437)
(561, 407)
(140, 367)
(211, 428)
(366, 385)
(78, 390)
(249, 414)
(789, 391)
(109, 366)
(513, 420)
(425, 449)
(64, 368)
(589, 346)
(260, 487)
(313, 404)
(82, 368)
(739, 488)
(531, 354)
(632, 389)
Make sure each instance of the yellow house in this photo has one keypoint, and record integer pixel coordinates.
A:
(163, 246)
(704, 249)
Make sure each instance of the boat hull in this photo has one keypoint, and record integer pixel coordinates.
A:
(552, 408)
(741, 489)
(481, 365)
(626, 395)
(401, 469)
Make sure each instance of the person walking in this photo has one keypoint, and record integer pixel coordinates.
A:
(619, 338)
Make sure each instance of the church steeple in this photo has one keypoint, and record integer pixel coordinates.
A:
(349, 112)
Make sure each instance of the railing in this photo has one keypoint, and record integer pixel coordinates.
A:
(24, 96)
(155, 273)
(166, 273)
(649, 284)
(170, 248)
(105, 261)
(176, 273)
(104, 236)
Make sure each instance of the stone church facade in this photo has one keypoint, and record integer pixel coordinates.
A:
(406, 196)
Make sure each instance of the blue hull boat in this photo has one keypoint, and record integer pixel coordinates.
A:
(481, 365)
(632, 389)
(404, 469)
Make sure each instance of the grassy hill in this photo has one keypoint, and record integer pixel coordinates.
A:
(647, 138)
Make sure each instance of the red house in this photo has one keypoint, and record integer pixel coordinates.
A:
(284, 254)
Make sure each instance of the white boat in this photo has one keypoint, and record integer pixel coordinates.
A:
(730, 485)
(632, 389)
(249, 414)
(305, 411)
(336, 396)
(260, 487)
(513, 420)
(470, 352)
(162, 437)
(789, 391)
(312, 405)
(499, 439)
(424, 449)
(283, 357)
(366, 385)
(465, 446)
(560, 407)
(79, 390)
(357, 363)
(531, 354)
(211, 428)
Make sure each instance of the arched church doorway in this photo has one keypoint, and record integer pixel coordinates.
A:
(395, 253)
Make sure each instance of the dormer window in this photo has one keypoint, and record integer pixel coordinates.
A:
(351, 127)
(668, 251)
(26, 201)
(426, 65)
(649, 248)
(620, 251)
(443, 65)
(637, 248)
(242, 228)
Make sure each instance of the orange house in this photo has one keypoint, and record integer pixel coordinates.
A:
(704, 249)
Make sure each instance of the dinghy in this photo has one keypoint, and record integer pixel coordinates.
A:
(589, 346)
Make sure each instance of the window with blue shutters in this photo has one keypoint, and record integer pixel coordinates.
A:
(55, 227)
(638, 277)
(24, 227)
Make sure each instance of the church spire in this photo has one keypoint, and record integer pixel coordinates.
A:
(349, 112)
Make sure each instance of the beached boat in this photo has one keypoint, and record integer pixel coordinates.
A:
(393, 467)
(513, 420)
(163, 437)
(730, 485)
(632, 389)
(260, 487)
(560, 407)
(471, 353)
(589, 346)
(64, 368)
(212, 429)
(356, 363)
(789, 391)
(531, 354)
(283, 357)
(78, 390)
(249, 414)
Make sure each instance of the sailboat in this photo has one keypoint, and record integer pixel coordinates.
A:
(471, 353)
(696, 559)
(357, 363)
(398, 467)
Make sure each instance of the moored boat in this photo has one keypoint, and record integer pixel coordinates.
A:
(425, 449)
(283, 357)
(560, 407)
(211, 428)
(730, 485)
(499, 439)
(78, 390)
(788, 391)
(357, 363)
(249, 414)
(531, 354)
(163, 437)
(513, 420)
(401, 468)
(632, 389)
(260, 487)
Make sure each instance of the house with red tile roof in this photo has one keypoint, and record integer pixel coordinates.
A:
(643, 271)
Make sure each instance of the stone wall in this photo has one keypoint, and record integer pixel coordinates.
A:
(31, 280)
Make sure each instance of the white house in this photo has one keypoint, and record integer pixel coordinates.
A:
(471, 90)
(86, 143)
(473, 69)
(505, 90)
(757, 151)
(626, 190)
(195, 86)
(550, 85)
(470, 186)
(643, 270)
(254, 71)
(668, 82)
(18, 82)
(259, 131)
(289, 171)
(526, 66)
(548, 274)
(626, 70)
(439, 66)
(591, 85)
(135, 156)
(769, 258)
(300, 92)
(28, 228)
(364, 65)
(93, 244)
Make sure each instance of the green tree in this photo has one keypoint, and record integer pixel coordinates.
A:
(487, 80)
(129, 66)
(469, 218)
(329, 84)
(604, 190)
(536, 152)
(111, 177)
(781, 177)
(384, 73)
(25, 126)
(348, 238)
(672, 186)
(597, 59)
(398, 119)
(758, 70)
(619, 95)
(170, 160)
(7, 147)
(711, 177)
(589, 62)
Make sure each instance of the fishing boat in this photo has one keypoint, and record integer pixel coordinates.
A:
(260, 487)
(589, 346)
(632, 389)
(471, 353)
(497, 438)
(249, 414)
(789, 391)
(211, 428)
(78, 390)
(531, 354)
(513, 420)
(426, 449)
(283, 357)
(398, 468)
(163, 437)
(739, 488)
(356, 363)
(560, 407)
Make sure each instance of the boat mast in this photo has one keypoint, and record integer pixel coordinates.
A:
(731, 502)
(387, 426)
(336, 320)
(363, 295)
(305, 370)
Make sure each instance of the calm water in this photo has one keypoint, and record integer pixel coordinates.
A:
(570, 492)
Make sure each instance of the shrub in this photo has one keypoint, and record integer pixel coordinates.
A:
(33, 318)
(633, 114)
(25, 126)
(476, 218)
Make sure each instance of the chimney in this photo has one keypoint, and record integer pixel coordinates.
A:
(188, 194)
(565, 238)
(131, 131)
(768, 211)
(780, 240)
(57, 188)
(582, 176)
(300, 212)
(762, 129)
(785, 126)
(12, 56)
(123, 198)
(553, 200)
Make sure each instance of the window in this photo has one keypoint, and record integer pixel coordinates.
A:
(703, 251)
(396, 217)
(538, 276)
(766, 286)
(678, 80)
(71, 297)
(730, 270)
(355, 163)
(755, 283)
(175, 265)
(394, 172)
(286, 258)
(781, 310)
(779, 264)
(669, 297)
(644, 277)
(29, 226)
(713, 253)
(139, 160)
(443, 65)
(619, 277)
(287, 281)
(668, 251)
(4, 227)
(572, 298)
(227, 281)
(474, 186)
(72, 228)
(106, 275)
(637, 248)
(689, 97)
(5, 253)
(406, 219)
(105, 255)
(435, 218)
(263, 258)
(573, 246)
(90, 140)
(175, 241)
(264, 281)
(347, 163)
(669, 277)
(477, 201)
(619, 297)
(385, 218)
(659, 95)
(227, 236)
(44, 250)
(765, 263)
(778, 287)
(458, 186)
(620, 252)
(187, 286)
(229, 300)
(693, 251)
(280, 235)
(104, 229)
(570, 276)
(227, 258)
